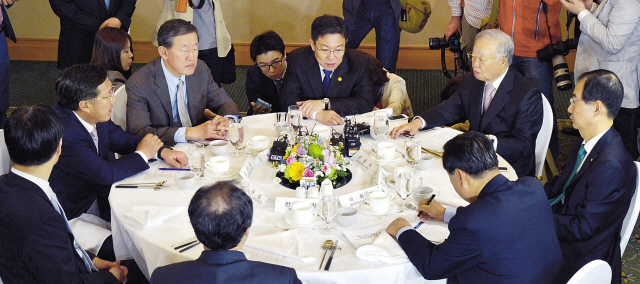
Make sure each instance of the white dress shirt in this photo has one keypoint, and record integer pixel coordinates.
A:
(172, 83)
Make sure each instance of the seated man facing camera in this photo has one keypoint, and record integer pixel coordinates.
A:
(221, 215)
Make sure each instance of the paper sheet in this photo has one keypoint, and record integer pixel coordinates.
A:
(434, 231)
(364, 236)
(257, 254)
(434, 140)
(154, 173)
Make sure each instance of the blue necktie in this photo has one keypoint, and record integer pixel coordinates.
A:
(581, 153)
(325, 82)
(107, 2)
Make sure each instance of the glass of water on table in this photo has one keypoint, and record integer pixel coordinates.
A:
(196, 159)
(236, 136)
(404, 184)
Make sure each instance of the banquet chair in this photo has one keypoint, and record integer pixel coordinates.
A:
(119, 113)
(544, 136)
(594, 272)
(632, 215)
(5, 161)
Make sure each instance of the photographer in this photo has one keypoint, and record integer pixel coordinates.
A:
(467, 20)
(611, 40)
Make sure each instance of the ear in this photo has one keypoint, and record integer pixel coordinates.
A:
(84, 106)
(313, 45)
(162, 51)
(59, 150)
(599, 108)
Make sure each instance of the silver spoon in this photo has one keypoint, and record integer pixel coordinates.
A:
(327, 245)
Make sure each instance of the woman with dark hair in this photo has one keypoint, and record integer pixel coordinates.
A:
(113, 51)
(391, 89)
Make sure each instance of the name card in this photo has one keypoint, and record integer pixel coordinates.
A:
(247, 169)
(283, 204)
(382, 178)
(365, 162)
(258, 195)
(356, 198)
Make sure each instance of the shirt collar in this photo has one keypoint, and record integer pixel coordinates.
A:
(171, 79)
(588, 146)
(43, 184)
(497, 82)
(86, 125)
(322, 73)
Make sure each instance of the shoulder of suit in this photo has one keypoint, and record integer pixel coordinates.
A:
(299, 53)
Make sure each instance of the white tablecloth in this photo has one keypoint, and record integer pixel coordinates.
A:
(151, 247)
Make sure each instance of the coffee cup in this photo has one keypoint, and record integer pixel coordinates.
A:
(218, 147)
(347, 216)
(385, 150)
(258, 142)
(218, 165)
(323, 131)
(312, 192)
(185, 180)
(379, 201)
(303, 213)
(425, 162)
(281, 126)
(422, 192)
(301, 192)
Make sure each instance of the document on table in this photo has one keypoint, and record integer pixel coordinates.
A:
(434, 140)
(364, 236)
(257, 254)
(434, 231)
(154, 172)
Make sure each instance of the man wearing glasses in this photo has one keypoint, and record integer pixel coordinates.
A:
(324, 79)
(264, 78)
(497, 101)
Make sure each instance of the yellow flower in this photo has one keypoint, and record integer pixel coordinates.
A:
(296, 170)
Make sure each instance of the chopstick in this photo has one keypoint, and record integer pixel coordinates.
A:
(189, 247)
(333, 250)
(189, 240)
(438, 154)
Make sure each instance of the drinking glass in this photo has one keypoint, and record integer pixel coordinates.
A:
(196, 159)
(236, 136)
(380, 125)
(294, 118)
(414, 151)
(328, 210)
(404, 183)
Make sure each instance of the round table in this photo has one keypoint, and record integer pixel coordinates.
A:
(152, 247)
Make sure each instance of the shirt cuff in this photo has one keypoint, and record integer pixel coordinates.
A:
(144, 157)
(424, 123)
(494, 140)
(402, 230)
(313, 115)
(584, 12)
(449, 212)
(179, 135)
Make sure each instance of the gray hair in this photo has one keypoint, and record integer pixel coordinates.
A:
(505, 43)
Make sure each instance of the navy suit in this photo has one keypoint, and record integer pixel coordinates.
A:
(514, 116)
(596, 201)
(259, 86)
(4, 64)
(35, 244)
(224, 267)
(506, 236)
(81, 175)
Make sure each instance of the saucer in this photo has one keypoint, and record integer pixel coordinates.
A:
(228, 175)
(396, 156)
(289, 219)
(251, 151)
(366, 209)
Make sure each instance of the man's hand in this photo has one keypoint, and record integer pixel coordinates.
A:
(433, 210)
(215, 128)
(310, 106)
(8, 2)
(259, 109)
(575, 6)
(452, 27)
(411, 128)
(110, 22)
(119, 271)
(149, 145)
(174, 158)
(396, 225)
(329, 117)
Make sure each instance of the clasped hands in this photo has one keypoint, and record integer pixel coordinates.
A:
(328, 117)
(214, 128)
(119, 271)
(434, 210)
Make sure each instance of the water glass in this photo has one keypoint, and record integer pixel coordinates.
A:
(380, 125)
(196, 159)
(236, 136)
(294, 118)
(404, 184)
(414, 151)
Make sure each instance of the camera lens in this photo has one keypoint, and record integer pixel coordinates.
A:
(438, 43)
(561, 73)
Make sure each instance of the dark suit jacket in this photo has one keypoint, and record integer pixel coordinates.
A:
(596, 201)
(149, 103)
(350, 88)
(260, 86)
(223, 267)
(79, 23)
(36, 245)
(506, 236)
(8, 28)
(514, 116)
(81, 175)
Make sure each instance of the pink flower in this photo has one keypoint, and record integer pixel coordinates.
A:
(301, 151)
(307, 173)
(325, 168)
(290, 160)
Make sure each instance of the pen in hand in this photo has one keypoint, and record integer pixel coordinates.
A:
(428, 202)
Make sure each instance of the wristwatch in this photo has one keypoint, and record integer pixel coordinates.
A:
(326, 103)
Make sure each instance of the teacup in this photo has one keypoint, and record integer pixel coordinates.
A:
(185, 180)
(303, 213)
(218, 147)
(347, 216)
(323, 131)
(218, 165)
(312, 192)
(379, 201)
(258, 142)
(425, 162)
(301, 192)
(385, 150)
(422, 192)
(281, 126)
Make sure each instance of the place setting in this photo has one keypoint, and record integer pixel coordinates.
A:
(385, 152)
(258, 144)
(218, 168)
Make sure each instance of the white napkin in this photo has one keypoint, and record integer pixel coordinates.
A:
(145, 217)
(277, 241)
(383, 250)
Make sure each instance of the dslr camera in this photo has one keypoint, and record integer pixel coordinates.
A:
(454, 45)
(555, 53)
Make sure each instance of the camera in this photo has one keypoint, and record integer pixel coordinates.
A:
(555, 53)
(454, 46)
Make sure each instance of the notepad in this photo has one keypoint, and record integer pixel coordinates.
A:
(435, 139)
(434, 231)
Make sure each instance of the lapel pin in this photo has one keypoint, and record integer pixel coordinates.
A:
(592, 160)
(339, 79)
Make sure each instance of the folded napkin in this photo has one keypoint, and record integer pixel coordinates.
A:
(383, 250)
(145, 217)
(277, 241)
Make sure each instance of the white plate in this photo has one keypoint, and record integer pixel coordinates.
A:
(230, 174)
(289, 219)
(393, 208)
(252, 151)
(377, 158)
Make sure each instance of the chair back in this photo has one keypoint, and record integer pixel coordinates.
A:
(595, 272)
(5, 161)
(119, 113)
(632, 215)
(544, 135)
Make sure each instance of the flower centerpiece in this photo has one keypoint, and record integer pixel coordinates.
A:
(313, 156)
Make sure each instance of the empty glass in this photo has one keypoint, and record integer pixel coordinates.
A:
(236, 136)
(294, 118)
(404, 183)
(380, 125)
(414, 151)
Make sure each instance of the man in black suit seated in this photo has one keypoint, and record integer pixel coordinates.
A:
(264, 78)
(36, 243)
(591, 196)
(221, 215)
(506, 234)
(497, 101)
(324, 79)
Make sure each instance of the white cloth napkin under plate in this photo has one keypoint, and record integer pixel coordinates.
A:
(383, 250)
(278, 241)
(145, 217)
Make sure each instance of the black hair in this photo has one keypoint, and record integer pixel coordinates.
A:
(377, 72)
(79, 82)
(326, 25)
(265, 42)
(173, 28)
(32, 135)
(108, 46)
(220, 215)
(605, 86)
(471, 152)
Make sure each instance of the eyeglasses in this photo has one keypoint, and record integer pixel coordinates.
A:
(326, 52)
(110, 97)
(573, 101)
(482, 59)
(275, 65)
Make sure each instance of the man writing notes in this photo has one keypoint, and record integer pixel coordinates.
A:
(496, 100)
(36, 244)
(324, 79)
(505, 235)
(168, 96)
(591, 196)
(221, 215)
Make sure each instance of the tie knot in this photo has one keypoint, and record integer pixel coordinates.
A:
(582, 151)
(488, 89)
(327, 73)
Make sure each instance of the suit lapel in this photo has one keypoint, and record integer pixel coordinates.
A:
(193, 100)
(338, 76)
(499, 99)
(475, 102)
(161, 89)
(313, 73)
(593, 155)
